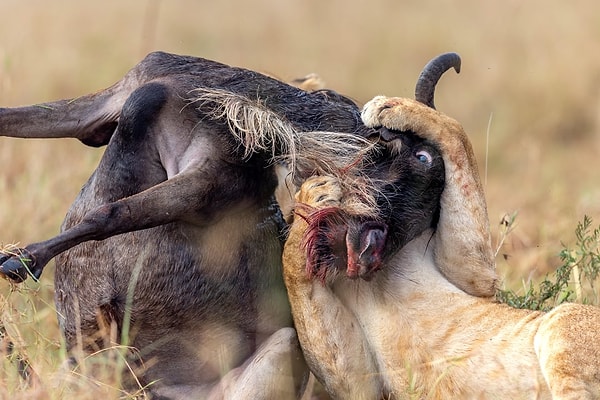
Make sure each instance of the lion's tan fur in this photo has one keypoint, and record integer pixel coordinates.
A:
(413, 332)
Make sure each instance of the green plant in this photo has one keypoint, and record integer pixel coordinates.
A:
(575, 280)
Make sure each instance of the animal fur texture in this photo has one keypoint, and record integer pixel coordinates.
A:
(408, 331)
(174, 244)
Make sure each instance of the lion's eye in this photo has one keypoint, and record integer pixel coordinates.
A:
(424, 157)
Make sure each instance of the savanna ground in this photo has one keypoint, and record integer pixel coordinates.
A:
(528, 96)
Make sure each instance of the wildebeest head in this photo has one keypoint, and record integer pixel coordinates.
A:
(400, 185)
(454, 204)
(395, 199)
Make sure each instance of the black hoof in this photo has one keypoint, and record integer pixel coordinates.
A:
(14, 268)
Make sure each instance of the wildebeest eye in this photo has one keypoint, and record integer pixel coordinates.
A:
(424, 157)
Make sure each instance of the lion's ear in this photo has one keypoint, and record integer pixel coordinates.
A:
(463, 250)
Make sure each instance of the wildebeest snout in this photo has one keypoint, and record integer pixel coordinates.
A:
(365, 244)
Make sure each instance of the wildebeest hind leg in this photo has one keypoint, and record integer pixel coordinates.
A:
(166, 202)
(91, 118)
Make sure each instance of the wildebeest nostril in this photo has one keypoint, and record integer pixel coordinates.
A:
(365, 245)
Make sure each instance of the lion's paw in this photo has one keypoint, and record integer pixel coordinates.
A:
(408, 115)
(320, 191)
(395, 113)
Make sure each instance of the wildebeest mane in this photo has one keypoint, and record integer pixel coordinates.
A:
(310, 142)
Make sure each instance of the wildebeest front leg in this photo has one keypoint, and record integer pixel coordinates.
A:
(331, 338)
(166, 202)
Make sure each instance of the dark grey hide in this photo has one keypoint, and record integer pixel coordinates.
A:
(177, 230)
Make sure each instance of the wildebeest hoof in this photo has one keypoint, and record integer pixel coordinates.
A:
(17, 267)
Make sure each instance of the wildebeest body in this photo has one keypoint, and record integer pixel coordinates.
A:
(178, 222)
(185, 286)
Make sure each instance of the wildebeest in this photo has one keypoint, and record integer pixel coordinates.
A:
(409, 331)
(176, 234)
(178, 227)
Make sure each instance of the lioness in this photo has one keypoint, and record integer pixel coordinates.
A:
(408, 332)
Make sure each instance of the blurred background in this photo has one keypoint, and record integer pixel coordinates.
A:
(528, 94)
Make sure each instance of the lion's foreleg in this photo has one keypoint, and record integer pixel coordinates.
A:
(463, 236)
(330, 336)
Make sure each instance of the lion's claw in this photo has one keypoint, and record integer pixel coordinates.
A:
(320, 191)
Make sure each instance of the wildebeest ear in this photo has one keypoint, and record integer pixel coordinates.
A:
(310, 83)
(463, 250)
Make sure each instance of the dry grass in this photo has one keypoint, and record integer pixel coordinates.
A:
(528, 67)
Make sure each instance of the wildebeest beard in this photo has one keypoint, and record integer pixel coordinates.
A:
(405, 176)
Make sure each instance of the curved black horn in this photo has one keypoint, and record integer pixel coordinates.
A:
(431, 74)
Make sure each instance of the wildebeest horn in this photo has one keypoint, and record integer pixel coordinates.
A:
(431, 74)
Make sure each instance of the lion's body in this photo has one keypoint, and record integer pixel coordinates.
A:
(447, 344)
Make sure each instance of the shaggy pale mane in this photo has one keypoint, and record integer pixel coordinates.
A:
(343, 156)
(255, 126)
(259, 129)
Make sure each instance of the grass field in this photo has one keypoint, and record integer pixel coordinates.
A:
(528, 95)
